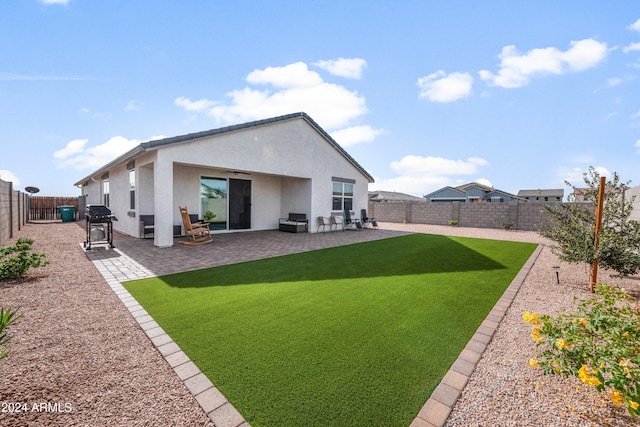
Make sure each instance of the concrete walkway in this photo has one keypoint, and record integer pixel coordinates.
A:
(135, 259)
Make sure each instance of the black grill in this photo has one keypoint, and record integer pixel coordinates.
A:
(99, 226)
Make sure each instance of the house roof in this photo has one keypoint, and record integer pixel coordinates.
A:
(392, 196)
(462, 190)
(554, 192)
(155, 144)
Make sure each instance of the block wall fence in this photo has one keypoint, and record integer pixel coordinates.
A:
(14, 211)
(522, 216)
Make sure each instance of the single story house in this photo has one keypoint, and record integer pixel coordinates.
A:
(471, 193)
(241, 177)
(392, 196)
(542, 195)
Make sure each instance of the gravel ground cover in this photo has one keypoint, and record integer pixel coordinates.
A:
(504, 390)
(78, 358)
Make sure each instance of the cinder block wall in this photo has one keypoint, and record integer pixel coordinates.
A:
(522, 216)
(14, 211)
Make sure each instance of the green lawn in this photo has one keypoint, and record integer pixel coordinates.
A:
(349, 336)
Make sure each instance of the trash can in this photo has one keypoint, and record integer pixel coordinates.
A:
(67, 213)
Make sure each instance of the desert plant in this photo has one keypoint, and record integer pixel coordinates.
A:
(16, 260)
(572, 228)
(453, 222)
(598, 343)
(7, 317)
(506, 225)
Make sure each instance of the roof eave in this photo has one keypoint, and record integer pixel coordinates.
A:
(129, 155)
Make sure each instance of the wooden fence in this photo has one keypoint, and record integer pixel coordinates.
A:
(46, 208)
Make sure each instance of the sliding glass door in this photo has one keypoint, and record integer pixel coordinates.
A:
(213, 198)
(226, 204)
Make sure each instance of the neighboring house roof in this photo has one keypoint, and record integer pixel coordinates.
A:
(555, 192)
(464, 188)
(155, 144)
(392, 196)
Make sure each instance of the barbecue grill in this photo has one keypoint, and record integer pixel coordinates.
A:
(99, 226)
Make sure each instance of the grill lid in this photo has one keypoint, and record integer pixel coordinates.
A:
(98, 211)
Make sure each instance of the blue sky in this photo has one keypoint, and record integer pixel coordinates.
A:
(423, 94)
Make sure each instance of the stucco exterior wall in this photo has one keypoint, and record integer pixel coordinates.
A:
(289, 163)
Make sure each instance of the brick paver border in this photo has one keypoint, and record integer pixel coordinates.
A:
(436, 410)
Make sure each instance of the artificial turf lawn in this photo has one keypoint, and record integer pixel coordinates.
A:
(349, 336)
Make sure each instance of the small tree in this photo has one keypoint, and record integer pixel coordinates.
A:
(572, 228)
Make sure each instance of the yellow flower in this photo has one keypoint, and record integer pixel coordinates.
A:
(531, 318)
(556, 366)
(582, 321)
(626, 363)
(533, 363)
(634, 405)
(535, 335)
(626, 335)
(616, 397)
(562, 344)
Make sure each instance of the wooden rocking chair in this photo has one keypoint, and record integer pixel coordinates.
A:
(197, 232)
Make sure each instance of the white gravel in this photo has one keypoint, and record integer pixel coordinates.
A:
(504, 390)
(79, 358)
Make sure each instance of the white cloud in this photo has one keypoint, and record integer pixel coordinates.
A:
(575, 175)
(76, 156)
(614, 81)
(54, 1)
(443, 87)
(134, 105)
(516, 69)
(350, 68)
(355, 135)
(9, 176)
(419, 175)
(198, 106)
(290, 76)
(73, 147)
(296, 89)
(631, 48)
(635, 26)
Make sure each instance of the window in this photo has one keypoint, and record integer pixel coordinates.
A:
(342, 195)
(105, 192)
(132, 189)
(496, 199)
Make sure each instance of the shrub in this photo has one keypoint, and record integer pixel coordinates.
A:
(598, 343)
(453, 222)
(507, 225)
(7, 317)
(17, 260)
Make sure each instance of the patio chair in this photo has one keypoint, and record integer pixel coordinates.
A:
(197, 233)
(333, 220)
(366, 221)
(348, 222)
(322, 223)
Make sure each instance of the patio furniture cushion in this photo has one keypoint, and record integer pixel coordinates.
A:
(294, 223)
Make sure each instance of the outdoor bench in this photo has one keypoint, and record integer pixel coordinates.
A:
(295, 223)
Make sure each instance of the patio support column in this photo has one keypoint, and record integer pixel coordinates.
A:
(163, 200)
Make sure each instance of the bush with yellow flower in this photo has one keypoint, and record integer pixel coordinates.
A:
(599, 342)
